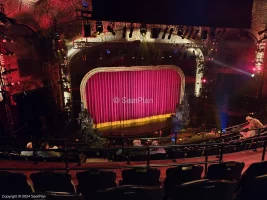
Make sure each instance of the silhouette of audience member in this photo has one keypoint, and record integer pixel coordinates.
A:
(45, 145)
(157, 150)
(27, 153)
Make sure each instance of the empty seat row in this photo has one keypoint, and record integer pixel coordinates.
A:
(91, 181)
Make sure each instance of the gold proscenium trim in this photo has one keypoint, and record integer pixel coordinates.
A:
(123, 69)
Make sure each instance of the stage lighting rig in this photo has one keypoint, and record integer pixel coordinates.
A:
(6, 21)
(110, 29)
(87, 30)
(196, 33)
(155, 33)
(180, 31)
(99, 27)
(143, 29)
(164, 33)
(124, 32)
(9, 71)
(170, 33)
(263, 31)
(131, 31)
(204, 34)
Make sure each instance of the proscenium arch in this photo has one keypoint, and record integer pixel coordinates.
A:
(175, 39)
(127, 69)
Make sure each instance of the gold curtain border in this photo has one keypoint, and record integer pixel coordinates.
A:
(123, 69)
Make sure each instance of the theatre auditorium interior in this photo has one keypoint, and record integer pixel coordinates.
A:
(133, 100)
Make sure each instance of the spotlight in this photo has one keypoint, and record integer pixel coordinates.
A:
(110, 29)
(252, 75)
(124, 32)
(86, 30)
(131, 31)
(99, 27)
(170, 34)
(165, 32)
(143, 29)
(204, 80)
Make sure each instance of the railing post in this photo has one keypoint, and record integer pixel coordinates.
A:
(206, 161)
(148, 157)
(264, 151)
(35, 156)
(66, 160)
(221, 153)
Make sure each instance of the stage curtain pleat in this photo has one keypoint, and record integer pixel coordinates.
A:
(151, 92)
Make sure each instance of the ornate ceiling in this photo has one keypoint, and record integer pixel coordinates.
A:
(39, 14)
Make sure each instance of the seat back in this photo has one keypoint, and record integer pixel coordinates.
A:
(89, 182)
(131, 193)
(226, 171)
(60, 196)
(205, 189)
(181, 174)
(14, 183)
(144, 177)
(52, 181)
(254, 170)
(254, 189)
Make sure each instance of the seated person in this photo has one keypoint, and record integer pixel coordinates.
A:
(45, 145)
(27, 153)
(253, 124)
(136, 143)
(157, 150)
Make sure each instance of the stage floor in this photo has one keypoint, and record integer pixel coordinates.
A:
(145, 129)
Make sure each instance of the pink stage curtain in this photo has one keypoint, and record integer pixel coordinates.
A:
(125, 95)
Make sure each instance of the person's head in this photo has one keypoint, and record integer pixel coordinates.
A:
(137, 143)
(29, 145)
(44, 145)
(155, 143)
(248, 118)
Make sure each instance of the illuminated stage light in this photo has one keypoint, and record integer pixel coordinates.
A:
(252, 75)
(204, 80)
(254, 69)
(143, 29)
(99, 27)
